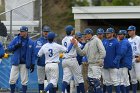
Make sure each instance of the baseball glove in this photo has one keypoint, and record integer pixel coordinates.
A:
(61, 55)
(6, 55)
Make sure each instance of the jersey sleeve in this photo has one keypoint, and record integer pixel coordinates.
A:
(41, 51)
(62, 48)
(101, 49)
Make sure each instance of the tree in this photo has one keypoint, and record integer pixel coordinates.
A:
(120, 2)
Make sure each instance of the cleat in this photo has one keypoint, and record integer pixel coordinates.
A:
(42, 91)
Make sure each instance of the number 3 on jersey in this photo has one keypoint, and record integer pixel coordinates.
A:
(50, 52)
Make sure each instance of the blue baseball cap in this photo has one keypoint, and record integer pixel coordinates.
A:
(46, 29)
(23, 29)
(124, 32)
(69, 28)
(88, 31)
(78, 34)
(51, 35)
(131, 28)
(100, 31)
(110, 30)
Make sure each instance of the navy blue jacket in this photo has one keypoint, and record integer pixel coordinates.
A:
(37, 46)
(79, 58)
(1, 50)
(16, 52)
(126, 54)
(112, 55)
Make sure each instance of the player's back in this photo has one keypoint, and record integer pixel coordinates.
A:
(51, 51)
(66, 42)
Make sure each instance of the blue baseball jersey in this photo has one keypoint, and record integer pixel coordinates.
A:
(26, 49)
(111, 47)
(37, 46)
(126, 54)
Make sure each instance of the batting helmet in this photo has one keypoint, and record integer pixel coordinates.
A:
(51, 35)
(100, 31)
(69, 29)
(23, 29)
(110, 30)
(78, 34)
(124, 32)
(133, 28)
(46, 29)
(88, 31)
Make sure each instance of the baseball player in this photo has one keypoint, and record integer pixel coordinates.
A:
(51, 51)
(22, 59)
(125, 51)
(135, 44)
(70, 63)
(1, 51)
(95, 52)
(41, 61)
(111, 62)
(80, 39)
(100, 34)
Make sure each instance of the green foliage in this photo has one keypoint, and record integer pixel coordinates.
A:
(120, 2)
(81, 3)
(135, 2)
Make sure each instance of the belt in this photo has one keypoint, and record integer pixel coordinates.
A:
(54, 62)
(51, 62)
(68, 57)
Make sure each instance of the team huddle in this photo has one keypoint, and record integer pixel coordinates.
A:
(111, 59)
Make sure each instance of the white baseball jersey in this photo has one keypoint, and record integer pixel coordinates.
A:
(135, 44)
(51, 51)
(134, 72)
(66, 42)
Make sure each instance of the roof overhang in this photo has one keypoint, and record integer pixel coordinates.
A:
(107, 12)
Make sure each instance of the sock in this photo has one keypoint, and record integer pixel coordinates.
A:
(24, 88)
(122, 88)
(117, 89)
(49, 87)
(104, 88)
(127, 89)
(81, 87)
(68, 88)
(109, 89)
(40, 87)
(54, 90)
(12, 87)
(64, 86)
(134, 88)
(78, 89)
